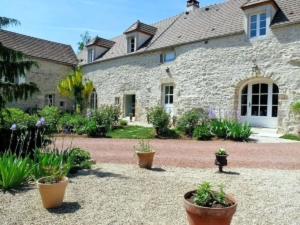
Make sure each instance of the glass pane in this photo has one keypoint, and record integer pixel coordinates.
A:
(166, 99)
(255, 99)
(263, 24)
(275, 88)
(264, 88)
(263, 16)
(171, 99)
(244, 99)
(253, 18)
(245, 90)
(253, 33)
(275, 100)
(274, 111)
(171, 89)
(254, 111)
(255, 88)
(169, 57)
(262, 31)
(253, 26)
(264, 99)
(263, 110)
(243, 110)
(167, 90)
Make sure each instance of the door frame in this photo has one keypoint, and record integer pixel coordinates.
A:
(259, 121)
(169, 106)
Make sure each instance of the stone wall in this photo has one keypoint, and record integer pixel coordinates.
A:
(206, 74)
(46, 77)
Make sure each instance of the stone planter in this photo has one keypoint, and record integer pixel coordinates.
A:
(198, 215)
(221, 160)
(145, 159)
(52, 194)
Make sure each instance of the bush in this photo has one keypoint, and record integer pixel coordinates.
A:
(80, 155)
(91, 128)
(189, 120)
(295, 108)
(14, 170)
(19, 117)
(203, 132)
(220, 127)
(51, 115)
(160, 119)
(123, 122)
(238, 131)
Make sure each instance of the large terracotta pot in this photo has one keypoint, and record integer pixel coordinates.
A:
(52, 194)
(145, 159)
(198, 215)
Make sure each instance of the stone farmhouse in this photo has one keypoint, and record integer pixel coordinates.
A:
(55, 62)
(241, 55)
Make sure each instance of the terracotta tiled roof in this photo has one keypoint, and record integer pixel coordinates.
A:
(38, 48)
(101, 42)
(139, 26)
(208, 22)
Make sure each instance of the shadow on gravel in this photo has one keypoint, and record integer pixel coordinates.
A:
(96, 172)
(66, 207)
(157, 170)
(21, 189)
(228, 173)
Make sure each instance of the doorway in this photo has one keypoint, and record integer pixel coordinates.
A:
(129, 105)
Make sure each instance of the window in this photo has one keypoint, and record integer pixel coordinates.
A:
(131, 44)
(94, 100)
(169, 94)
(90, 55)
(50, 100)
(117, 101)
(61, 104)
(258, 25)
(17, 80)
(167, 57)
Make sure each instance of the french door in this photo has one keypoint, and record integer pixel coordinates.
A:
(259, 104)
(168, 99)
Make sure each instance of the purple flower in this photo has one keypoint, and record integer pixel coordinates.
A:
(13, 127)
(42, 120)
(211, 113)
(89, 113)
(38, 123)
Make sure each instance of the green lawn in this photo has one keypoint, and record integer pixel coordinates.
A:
(290, 137)
(132, 132)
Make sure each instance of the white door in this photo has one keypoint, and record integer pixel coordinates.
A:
(259, 104)
(168, 98)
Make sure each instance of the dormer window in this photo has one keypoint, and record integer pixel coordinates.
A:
(90, 55)
(258, 25)
(131, 44)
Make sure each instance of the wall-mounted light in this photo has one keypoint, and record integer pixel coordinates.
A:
(168, 70)
(255, 68)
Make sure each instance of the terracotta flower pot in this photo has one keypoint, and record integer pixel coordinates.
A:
(52, 194)
(198, 215)
(145, 159)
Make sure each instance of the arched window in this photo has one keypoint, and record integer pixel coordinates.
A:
(94, 100)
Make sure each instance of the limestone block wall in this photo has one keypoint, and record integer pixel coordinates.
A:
(46, 77)
(206, 74)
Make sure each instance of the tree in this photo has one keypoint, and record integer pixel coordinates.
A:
(72, 87)
(85, 38)
(13, 65)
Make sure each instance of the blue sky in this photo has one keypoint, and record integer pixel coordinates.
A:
(64, 20)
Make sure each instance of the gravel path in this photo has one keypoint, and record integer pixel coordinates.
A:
(190, 153)
(124, 194)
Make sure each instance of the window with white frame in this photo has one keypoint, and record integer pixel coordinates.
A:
(16, 80)
(167, 57)
(131, 44)
(258, 25)
(117, 101)
(90, 55)
(94, 100)
(50, 100)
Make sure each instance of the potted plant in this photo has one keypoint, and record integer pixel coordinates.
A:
(221, 158)
(145, 154)
(207, 207)
(52, 188)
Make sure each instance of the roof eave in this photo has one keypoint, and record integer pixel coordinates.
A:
(284, 24)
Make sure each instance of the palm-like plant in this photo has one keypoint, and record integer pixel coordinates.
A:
(72, 87)
(13, 64)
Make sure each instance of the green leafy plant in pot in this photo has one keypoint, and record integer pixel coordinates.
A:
(207, 207)
(52, 187)
(145, 154)
(221, 158)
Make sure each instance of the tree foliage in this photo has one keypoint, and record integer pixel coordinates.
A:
(85, 38)
(73, 87)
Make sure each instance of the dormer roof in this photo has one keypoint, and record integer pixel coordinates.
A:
(141, 27)
(101, 42)
(255, 3)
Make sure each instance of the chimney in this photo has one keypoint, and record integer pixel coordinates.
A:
(192, 4)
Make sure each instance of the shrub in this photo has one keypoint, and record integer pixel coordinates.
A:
(123, 122)
(219, 127)
(203, 132)
(14, 170)
(295, 108)
(238, 131)
(189, 120)
(19, 117)
(91, 128)
(160, 119)
(80, 155)
(86, 165)
(51, 115)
